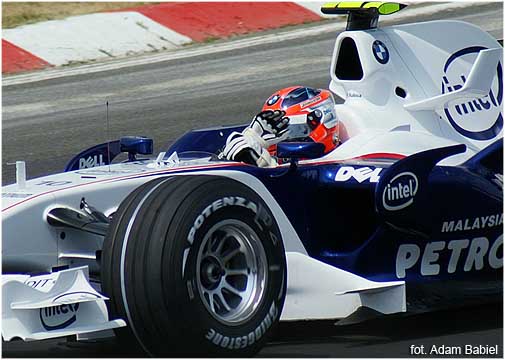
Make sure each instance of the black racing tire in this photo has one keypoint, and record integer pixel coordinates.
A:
(196, 267)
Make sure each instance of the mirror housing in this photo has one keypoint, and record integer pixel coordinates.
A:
(103, 154)
(300, 150)
(136, 145)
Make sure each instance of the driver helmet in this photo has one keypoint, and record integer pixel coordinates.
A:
(311, 114)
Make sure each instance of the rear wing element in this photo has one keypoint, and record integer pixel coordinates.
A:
(478, 84)
(362, 15)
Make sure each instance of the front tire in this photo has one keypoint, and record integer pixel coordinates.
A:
(196, 266)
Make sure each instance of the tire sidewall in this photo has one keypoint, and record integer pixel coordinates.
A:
(214, 335)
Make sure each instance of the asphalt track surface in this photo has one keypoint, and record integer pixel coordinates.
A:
(45, 123)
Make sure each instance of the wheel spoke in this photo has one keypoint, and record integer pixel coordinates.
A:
(206, 247)
(212, 306)
(231, 254)
(223, 301)
(220, 246)
(210, 244)
(232, 272)
(232, 289)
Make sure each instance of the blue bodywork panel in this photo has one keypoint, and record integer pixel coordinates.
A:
(446, 244)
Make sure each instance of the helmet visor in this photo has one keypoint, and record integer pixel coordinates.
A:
(297, 96)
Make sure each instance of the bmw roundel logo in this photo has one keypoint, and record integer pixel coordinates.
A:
(273, 100)
(380, 51)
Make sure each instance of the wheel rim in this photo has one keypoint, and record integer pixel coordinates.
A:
(231, 272)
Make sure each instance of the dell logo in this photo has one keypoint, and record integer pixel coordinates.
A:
(91, 161)
(400, 191)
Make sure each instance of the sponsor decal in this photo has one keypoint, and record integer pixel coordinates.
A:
(380, 52)
(327, 108)
(479, 252)
(58, 317)
(91, 161)
(329, 119)
(310, 101)
(240, 342)
(216, 205)
(476, 223)
(16, 195)
(273, 100)
(327, 111)
(400, 191)
(477, 119)
(346, 173)
(53, 183)
(40, 284)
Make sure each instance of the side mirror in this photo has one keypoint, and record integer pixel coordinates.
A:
(136, 145)
(300, 150)
(103, 154)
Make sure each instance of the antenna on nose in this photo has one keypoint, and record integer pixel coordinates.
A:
(108, 131)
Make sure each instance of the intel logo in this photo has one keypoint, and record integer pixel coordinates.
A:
(400, 191)
(477, 119)
(58, 317)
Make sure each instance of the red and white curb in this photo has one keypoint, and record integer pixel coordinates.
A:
(148, 28)
(15, 59)
(153, 28)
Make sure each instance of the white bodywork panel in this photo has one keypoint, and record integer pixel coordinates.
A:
(433, 71)
(47, 306)
(105, 191)
(320, 291)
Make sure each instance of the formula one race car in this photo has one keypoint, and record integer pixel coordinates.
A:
(189, 254)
